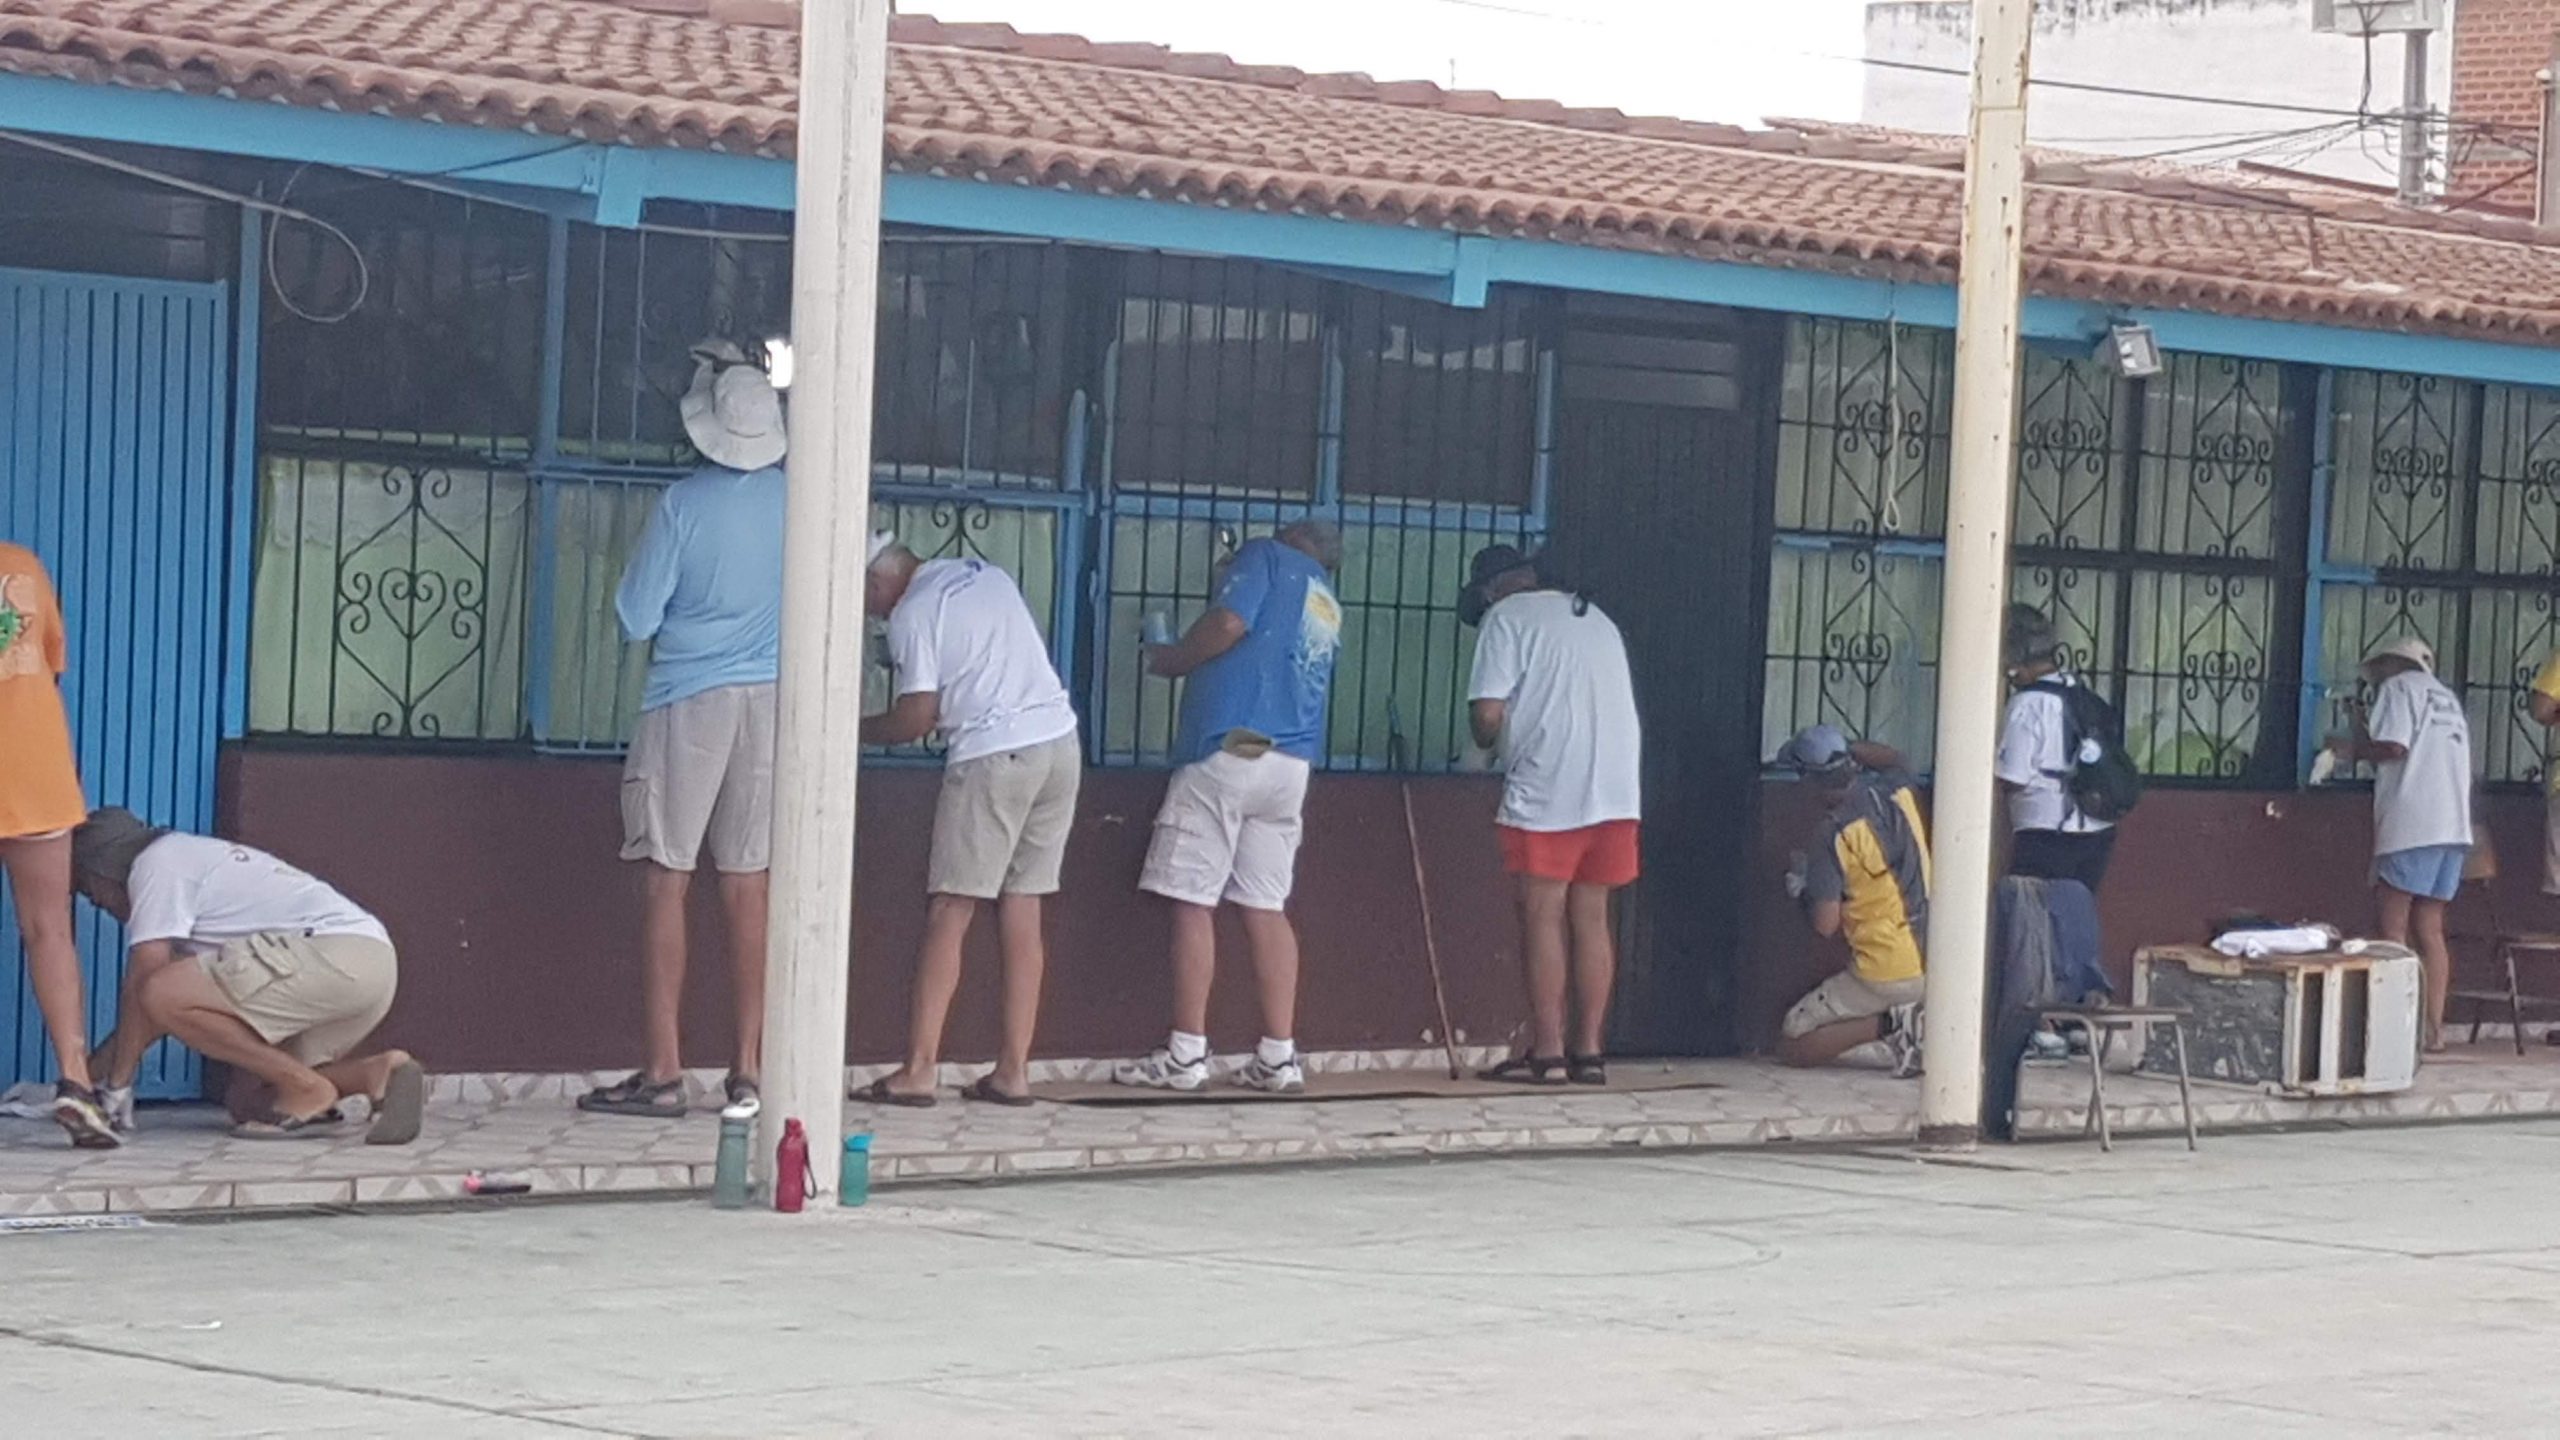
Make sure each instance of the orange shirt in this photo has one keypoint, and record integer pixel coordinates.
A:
(39, 780)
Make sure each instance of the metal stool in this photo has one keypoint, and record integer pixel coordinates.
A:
(2104, 1021)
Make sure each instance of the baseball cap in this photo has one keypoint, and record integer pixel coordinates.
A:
(2409, 648)
(1815, 750)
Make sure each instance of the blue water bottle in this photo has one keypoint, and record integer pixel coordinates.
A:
(853, 1182)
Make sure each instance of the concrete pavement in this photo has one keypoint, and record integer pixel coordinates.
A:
(2382, 1282)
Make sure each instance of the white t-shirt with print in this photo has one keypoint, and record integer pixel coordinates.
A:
(2034, 756)
(2425, 798)
(962, 630)
(1571, 743)
(205, 893)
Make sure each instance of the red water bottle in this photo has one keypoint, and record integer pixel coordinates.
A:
(791, 1169)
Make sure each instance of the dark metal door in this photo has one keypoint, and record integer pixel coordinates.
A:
(1662, 478)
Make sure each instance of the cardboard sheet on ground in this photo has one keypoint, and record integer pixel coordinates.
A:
(1626, 1076)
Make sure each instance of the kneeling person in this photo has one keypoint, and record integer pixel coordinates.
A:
(253, 964)
(1868, 877)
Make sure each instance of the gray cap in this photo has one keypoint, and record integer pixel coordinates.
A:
(1815, 750)
(106, 845)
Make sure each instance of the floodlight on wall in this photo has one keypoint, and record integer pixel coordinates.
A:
(777, 360)
(2131, 351)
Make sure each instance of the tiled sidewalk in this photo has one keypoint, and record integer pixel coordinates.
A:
(185, 1162)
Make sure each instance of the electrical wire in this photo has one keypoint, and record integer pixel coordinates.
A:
(276, 207)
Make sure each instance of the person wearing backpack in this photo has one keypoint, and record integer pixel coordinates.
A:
(2061, 762)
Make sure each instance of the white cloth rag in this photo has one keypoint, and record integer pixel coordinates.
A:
(2258, 944)
(27, 1100)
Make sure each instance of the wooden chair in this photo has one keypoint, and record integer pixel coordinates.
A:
(2514, 949)
(2104, 1021)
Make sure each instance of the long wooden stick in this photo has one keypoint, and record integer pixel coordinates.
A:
(1430, 941)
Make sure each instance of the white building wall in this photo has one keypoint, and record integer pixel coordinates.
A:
(2264, 50)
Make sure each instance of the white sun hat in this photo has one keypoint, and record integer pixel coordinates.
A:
(731, 412)
(2409, 648)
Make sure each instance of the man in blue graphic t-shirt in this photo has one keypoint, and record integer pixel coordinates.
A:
(1260, 664)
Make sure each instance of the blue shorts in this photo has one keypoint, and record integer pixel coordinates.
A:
(2430, 872)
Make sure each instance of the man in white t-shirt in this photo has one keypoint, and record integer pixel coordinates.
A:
(254, 964)
(2419, 743)
(1551, 692)
(2051, 839)
(971, 668)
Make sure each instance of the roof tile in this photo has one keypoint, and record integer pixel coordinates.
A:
(990, 102)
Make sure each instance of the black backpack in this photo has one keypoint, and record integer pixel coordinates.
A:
(2108, 787)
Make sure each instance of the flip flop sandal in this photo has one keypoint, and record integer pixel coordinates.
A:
(1586, 1069)
(636, 1094)
(984, 1089)
(879, 1093)
(1527, 1070)
(738, 1090)
(327, 1125)
(402, 1110)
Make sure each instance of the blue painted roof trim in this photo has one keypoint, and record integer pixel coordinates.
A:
(614, 182)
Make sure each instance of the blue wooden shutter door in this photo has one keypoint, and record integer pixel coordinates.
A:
(115, 401)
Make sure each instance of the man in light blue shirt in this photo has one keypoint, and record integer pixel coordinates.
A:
(1260, 664)
(704, 588)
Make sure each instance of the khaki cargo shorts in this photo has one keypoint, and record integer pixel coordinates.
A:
(1229, 830)
(316, 997)
(701, 771)
(1848, 996)
(1000, 824)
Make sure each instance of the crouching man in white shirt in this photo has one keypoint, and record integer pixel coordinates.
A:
(253, 964)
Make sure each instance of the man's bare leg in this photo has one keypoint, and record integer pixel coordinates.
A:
(1026, 961)
(2435, 957)
(1595, 964)
(1275, 970)
(40, 882)
(946, 927)
(662, 965)
(1542, 958)
(743, 899)
(118, 1058)
(1195, 964)
(1830, 1042)
(184, 1001)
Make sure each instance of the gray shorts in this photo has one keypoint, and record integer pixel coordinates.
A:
(701, 771)
(315, 997)
(1000, 825)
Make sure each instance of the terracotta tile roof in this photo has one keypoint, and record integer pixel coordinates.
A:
(986, 102)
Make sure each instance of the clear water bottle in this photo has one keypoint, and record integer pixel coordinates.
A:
(1156, 627)
(853, 1181)
(729, 1172)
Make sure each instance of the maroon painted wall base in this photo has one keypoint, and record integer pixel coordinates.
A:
(517, 925)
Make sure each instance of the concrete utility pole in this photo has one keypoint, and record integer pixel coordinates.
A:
(2546, 160)
(2414, 134)
(835, 238)
(1977, 575)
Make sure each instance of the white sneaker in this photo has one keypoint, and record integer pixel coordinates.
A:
(1160, 1071)
(117, 1101)
(1286, 1078)
(1902, 1037)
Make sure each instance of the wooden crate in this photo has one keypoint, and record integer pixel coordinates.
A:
(2293, 1024)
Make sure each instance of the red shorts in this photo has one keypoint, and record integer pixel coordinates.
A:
(1602, 854)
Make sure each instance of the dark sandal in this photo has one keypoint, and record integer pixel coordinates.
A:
(984, 1089)
(275, 1125)
(1586, 1069)
(636, 1094)
(1526, 1070)
(402, 1110)
(879, 1093)
(741, 1091)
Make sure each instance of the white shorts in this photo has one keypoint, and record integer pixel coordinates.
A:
(1847, 996)
(1229, 830)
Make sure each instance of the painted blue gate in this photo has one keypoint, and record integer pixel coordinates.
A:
(115, 425)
